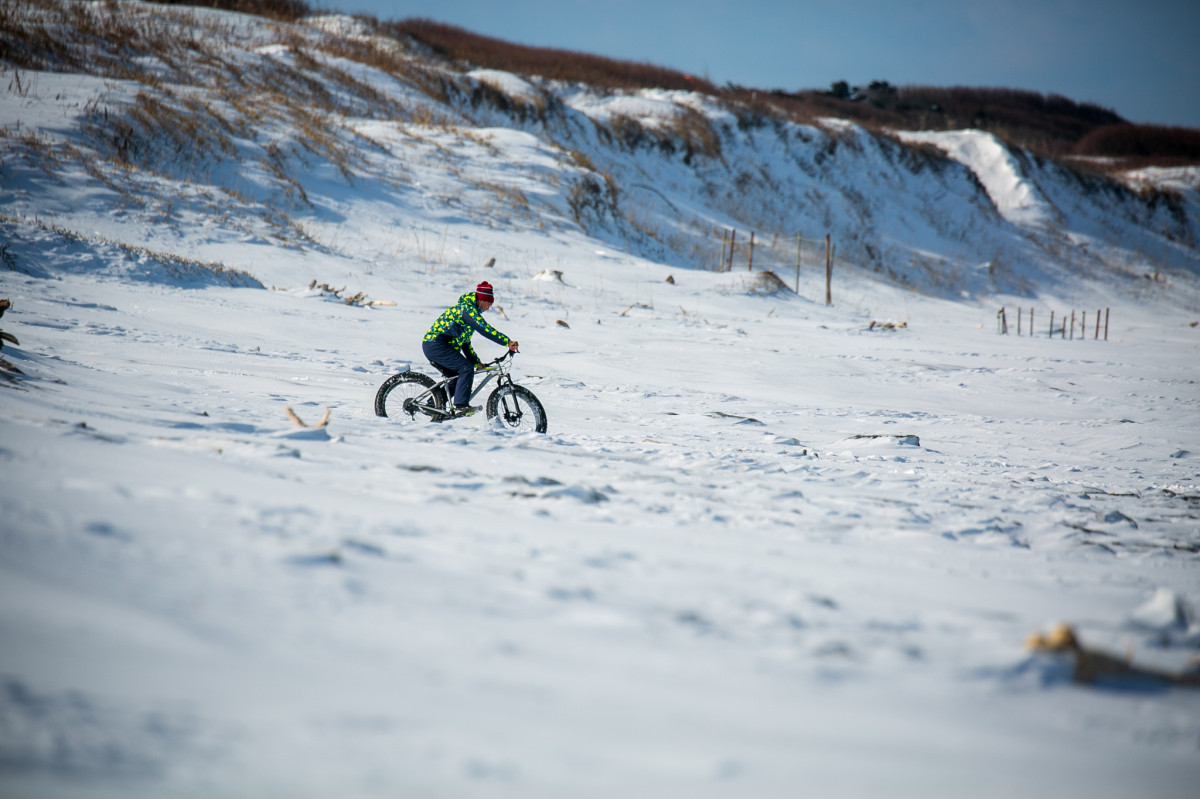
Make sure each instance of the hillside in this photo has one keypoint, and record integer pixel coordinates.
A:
(769, 545)
(606, 160)
(1051, 125)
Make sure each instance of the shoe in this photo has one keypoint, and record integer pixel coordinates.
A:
(466, 410)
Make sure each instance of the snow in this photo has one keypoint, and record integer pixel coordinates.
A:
(654, 106)
(506, 83)
(1015, 196)
(766, 547)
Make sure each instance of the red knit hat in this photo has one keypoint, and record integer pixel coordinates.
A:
(484, 292)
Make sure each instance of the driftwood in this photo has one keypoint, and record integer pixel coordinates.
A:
(1093, 665)
(296, 420)
(7, 368)
(5, 304)
(550, 275)
(357, 299)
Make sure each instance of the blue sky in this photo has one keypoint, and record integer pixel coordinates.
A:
(1140, 59)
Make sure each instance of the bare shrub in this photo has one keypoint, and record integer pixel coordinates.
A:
(1046, 124)
(1138, 144)
(591, 200)
(281, 10)
(697, 134)
(457, 44)
(581, 160)
(630, 132)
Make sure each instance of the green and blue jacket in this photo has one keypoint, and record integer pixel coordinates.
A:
(457, 323)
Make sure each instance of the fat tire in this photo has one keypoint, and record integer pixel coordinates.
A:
(507, 400)
(402, 386)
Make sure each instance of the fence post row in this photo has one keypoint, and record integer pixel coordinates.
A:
(729, 239)
(1002, 324)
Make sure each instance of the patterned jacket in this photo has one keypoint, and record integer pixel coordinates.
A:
(456, 324)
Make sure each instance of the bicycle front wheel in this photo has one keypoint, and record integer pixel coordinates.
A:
(396, 398)
(517, 409)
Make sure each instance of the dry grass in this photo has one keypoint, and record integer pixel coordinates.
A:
(591, 200)
(511, 196)
(696, 133)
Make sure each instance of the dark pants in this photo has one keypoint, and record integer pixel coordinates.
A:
(450, 360)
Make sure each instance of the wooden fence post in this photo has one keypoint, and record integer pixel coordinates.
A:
(1052, 324)
(1083, 326)
(1106, 324)
(828, 271)
(799, 249)
(750, 262)
(1072, 325)
(1096, 335)
(732, 239)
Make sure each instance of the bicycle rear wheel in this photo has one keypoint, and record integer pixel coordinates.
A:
(517, 408)
(396, 397)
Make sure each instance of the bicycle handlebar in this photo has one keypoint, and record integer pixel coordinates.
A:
(508, 354)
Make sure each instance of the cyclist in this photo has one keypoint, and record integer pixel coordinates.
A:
(447, 345)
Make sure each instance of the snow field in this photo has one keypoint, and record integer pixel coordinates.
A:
(692, 525)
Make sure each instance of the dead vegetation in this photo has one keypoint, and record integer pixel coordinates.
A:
(459, 45)
(296, 420)
(358, 298)
(8, 370)
(201, 111)
(1134, 146)
(1092, 666)
(1047, 124)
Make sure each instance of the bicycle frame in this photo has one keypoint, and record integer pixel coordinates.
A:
(422, 402)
